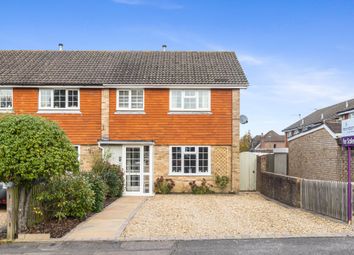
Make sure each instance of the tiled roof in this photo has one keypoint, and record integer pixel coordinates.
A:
(335, 126)
(273, 136)
(321, 115)
(19, 67)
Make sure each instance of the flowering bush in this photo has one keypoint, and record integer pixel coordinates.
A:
(164, 186)
(203, 188)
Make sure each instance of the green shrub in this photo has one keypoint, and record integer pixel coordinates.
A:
(164, 186)
(203, 188)
(112, 175)
(222, 181)
(67, 196)
(32, 150)
(100, 189)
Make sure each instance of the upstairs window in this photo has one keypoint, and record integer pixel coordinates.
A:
(190, 100)
(130, 99)
(190, 160)
(59, 99)
(5, 99)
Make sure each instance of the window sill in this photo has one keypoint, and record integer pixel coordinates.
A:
(190, 175)
(129, 112)
(190, 112)
(6, 111)
(59, 112)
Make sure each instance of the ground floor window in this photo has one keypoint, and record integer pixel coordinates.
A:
(190, 160)
(77, 149)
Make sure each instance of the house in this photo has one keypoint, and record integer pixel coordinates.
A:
(156, 113)
(315, 150)
(268, 142)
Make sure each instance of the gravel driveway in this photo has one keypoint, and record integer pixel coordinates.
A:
(225, 216)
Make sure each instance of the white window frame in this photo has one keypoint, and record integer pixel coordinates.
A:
(351, 115)
(51, 108)
(129, 108)
(78, 151)
(8, 109)
(197, 109)
(208, 173)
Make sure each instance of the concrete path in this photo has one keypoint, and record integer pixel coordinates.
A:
(108, 224)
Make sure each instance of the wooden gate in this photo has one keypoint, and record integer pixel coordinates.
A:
(248, 170)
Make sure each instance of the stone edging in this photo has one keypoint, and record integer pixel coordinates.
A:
(130, 217)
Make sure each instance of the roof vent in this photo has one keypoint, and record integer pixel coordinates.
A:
(346, 104)
(61, 46)
(302, 122)
(322, 116)
(164, 47)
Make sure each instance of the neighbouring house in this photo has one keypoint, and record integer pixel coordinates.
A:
(266, 143)
(315, 150)
(156, 113)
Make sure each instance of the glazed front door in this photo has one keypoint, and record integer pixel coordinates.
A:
(137, 166)
(133, 168)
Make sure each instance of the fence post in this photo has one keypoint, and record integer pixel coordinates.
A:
(11, 199)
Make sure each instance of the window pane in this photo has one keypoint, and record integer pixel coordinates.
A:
(176, 99)
(73, 98)
(190, 93)
(5, 98)
(203, 159)
(203, 99)
(123, 99)
(190, 163)
(146, 159)
(190, 99)
(176, 159)
(137, 99)
(46, 98)
(59, 98)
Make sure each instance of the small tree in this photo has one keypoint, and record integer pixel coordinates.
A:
(245, 142)
(32, 149)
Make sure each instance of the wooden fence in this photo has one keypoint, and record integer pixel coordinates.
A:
(12, 210)
(325, 197)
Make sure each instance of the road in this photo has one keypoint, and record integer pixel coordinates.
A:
(323, 246)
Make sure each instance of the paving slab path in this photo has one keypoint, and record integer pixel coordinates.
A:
(108, 224)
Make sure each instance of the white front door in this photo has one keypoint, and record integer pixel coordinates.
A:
(137, 165)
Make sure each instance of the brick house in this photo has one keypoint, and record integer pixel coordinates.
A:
(315, 150)
(172, 114)
(267, 142)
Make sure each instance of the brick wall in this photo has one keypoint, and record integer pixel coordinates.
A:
(82, 128)
(285, 189)
(317, 156)
(220, 165)
(166, 129)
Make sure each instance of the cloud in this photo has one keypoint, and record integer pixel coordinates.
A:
(280, 90)
(161, 4)
(249, 60)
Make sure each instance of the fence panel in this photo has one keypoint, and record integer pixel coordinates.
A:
(33, 216)
(325, 197)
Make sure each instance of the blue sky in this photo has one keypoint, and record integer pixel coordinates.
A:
(297, 55)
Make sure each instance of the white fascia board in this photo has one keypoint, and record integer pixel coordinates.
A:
(174, 86)
(334, 135)
(103, 143)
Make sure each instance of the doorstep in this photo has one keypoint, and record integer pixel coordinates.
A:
(108, 224)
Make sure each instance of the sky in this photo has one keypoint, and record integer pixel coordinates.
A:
(298, 55)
